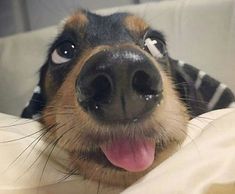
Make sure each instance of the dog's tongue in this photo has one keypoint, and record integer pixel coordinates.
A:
(131, 155)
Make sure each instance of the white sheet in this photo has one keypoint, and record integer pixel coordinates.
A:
(204, 165)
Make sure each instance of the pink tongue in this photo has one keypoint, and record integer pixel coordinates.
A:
(132, 155)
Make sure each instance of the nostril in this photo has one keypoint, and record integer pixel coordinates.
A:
(102, 89)
(144, 84)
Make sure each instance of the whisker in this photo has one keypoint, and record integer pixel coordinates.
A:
(46, 132)
(35, 140)
(44, 167)
(29, 135)
(187, 135)
(198, 117)
(27, 121)
(192, 100)
(98, 189)
(49, 144)
(181, 83)
(17, 139)
(68, 175)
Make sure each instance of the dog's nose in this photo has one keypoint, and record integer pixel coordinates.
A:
(119, 85)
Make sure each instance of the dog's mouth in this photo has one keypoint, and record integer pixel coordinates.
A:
(122, 153)
(131, 155)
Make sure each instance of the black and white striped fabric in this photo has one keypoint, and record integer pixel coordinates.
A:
(200, 92)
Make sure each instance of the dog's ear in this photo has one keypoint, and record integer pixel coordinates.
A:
(37, 102)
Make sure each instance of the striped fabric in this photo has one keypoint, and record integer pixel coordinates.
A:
(198, 90)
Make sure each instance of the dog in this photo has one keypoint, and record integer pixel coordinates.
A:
(112, 105)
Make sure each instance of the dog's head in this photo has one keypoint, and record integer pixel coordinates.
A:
(112, 105)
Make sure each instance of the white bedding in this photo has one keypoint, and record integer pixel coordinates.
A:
(204, 165)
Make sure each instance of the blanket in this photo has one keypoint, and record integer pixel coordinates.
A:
(203, 165)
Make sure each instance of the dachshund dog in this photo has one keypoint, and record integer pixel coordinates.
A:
(108, 102)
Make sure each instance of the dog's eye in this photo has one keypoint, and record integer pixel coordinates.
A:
(155, 44)
(63, 53)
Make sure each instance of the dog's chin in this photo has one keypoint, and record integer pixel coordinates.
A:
(122, 161)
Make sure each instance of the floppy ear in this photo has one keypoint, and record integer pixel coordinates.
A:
(38, 101)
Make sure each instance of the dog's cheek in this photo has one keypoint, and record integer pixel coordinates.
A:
(70, 118)
(62, 109)
(172, 114)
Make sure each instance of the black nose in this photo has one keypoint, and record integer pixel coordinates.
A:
(119, 85)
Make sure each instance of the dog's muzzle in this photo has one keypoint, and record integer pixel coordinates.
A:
(119, 85)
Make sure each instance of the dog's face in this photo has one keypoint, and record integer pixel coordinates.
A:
(113, 106)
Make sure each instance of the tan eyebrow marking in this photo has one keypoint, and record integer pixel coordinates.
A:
(77, 19)
(135, 24)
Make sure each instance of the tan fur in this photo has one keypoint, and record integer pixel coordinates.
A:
(49, 86)
(78, 19)
(135, 25)
(169, 120)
